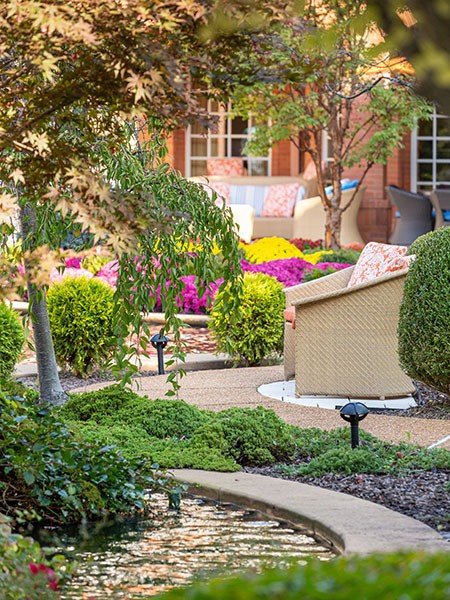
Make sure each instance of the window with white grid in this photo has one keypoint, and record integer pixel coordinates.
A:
(430, 154)
(226, 140)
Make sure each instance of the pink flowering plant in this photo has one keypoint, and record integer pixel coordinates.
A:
(26, 572)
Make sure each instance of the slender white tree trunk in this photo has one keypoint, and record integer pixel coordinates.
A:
(50, 389)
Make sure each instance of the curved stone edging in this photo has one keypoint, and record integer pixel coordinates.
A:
(352, 525)
(189, 319)
(154, 317)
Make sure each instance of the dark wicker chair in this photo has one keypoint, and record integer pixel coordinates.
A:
(415, 218)
(440, 199)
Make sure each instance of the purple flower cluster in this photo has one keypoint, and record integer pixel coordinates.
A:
(73, 262)
(190, 301)
(288, 271)
(338, 266)
(109, 273)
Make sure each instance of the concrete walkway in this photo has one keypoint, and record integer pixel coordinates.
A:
(352, 525)
(217, 389)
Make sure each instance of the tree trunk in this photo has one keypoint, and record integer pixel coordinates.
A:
(50, 389)
(333, 221)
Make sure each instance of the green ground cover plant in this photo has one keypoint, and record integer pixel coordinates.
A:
(174, 434)
(406, 575)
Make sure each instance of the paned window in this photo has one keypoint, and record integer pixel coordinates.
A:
(226, 140)
(430, 154)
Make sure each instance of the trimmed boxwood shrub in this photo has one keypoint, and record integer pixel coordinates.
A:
(424, 324)
(257, 332)
(80, 312)
(12, 339)
(411, 576)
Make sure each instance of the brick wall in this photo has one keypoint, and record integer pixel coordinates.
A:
(283, 157)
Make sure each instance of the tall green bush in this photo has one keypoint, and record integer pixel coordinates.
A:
(257, 332)
(80, 312)
(12, 339)
(424, 324)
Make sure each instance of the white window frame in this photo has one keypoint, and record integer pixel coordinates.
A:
(416, 160)
(227, 137)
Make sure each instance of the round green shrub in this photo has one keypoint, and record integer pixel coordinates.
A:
(257, 332)
(348, 460)
(424, 324)
(80, 312)
(256, 436)
(12, 339)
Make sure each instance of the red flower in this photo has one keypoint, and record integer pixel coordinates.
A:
(51, 576)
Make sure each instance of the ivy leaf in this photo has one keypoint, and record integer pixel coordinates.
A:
(28, 477)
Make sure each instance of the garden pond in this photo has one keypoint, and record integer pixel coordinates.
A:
(173, 548)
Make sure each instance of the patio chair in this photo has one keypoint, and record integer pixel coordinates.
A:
(344, 343)
(440, 199)
(415, 216)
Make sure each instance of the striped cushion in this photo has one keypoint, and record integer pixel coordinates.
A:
(249, 194)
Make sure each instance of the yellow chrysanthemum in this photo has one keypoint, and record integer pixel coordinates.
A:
(270, 248)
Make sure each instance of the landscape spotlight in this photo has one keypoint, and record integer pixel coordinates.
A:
(159, 342)
(354, 412)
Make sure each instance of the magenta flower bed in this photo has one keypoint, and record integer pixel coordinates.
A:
(191, 302)
(288, 271)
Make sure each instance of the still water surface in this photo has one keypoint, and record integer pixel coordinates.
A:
(132, 561)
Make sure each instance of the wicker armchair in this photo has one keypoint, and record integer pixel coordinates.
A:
(440, 199)
(345, 340)
(415, 215)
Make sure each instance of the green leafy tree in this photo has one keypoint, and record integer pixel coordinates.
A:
(320, 71)
(70, 74)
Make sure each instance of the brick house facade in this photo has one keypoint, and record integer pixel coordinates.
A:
(375, 218)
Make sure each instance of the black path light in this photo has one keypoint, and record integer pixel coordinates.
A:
(159, 342)
(353, 413)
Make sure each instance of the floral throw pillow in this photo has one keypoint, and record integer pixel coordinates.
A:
(377, 259)
(280, 200)
(225, 166)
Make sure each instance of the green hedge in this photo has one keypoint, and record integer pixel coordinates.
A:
(424, 323)
(396, 576)
(12, 339)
